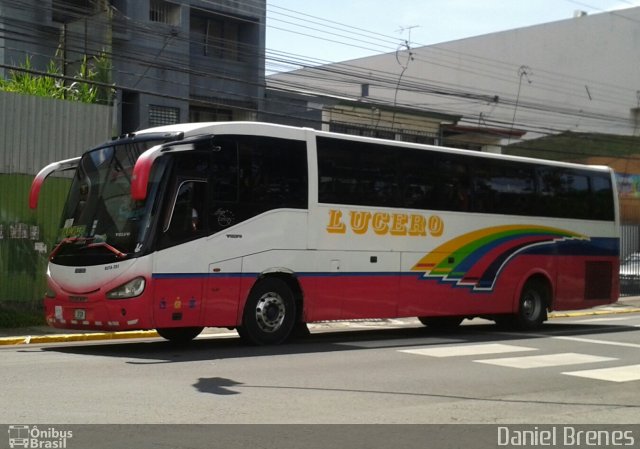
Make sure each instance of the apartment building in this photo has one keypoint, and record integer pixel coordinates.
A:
(171, 61)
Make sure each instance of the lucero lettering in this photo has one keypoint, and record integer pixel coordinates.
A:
(385, 223)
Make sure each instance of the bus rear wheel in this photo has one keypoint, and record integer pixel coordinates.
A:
(532, 310)
(179, 334)
(269, 314)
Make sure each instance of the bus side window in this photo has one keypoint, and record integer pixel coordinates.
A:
(359, 174)
(273, 175)
(186, 216)
(454, 185)
(564, 193)
(418, 179)
(224, 208)
(503, 188)
(601, 192)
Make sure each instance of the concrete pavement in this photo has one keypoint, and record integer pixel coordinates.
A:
(45, 334)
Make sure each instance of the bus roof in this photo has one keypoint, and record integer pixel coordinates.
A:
(296, 133)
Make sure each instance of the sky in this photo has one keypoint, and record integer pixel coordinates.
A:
(317, 32)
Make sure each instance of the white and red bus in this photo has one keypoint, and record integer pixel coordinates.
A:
(263, 228)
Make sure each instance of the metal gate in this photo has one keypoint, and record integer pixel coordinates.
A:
(629, 260)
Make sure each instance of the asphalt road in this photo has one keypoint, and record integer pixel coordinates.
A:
(575, 370)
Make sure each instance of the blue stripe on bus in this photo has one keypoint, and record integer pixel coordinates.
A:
(595, 247)
(199, 275)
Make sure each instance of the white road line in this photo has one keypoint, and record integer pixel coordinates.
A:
(618, 374)
(457, 351)
(543, 361)
(579, 339)
(599, 342)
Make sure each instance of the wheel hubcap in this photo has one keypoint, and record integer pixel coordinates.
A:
(270, 312)
(530, 305)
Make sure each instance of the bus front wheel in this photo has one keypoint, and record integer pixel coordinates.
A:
(179, 334)
(269, 314)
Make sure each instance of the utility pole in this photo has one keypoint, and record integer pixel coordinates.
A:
(524, 71)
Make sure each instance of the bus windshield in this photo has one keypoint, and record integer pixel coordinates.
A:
(100, 213)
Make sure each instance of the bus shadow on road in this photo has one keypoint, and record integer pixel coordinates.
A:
(158, 351)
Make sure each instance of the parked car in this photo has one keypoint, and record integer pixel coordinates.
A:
(630, 275)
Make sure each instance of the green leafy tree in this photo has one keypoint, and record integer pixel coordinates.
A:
(83, 88)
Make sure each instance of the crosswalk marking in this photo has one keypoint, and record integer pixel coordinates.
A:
(543, 361)
(599, 342)
(617, 374)
(465, 350)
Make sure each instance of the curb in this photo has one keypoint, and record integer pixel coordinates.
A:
(61, 338)
(99, 336)
(594, 312)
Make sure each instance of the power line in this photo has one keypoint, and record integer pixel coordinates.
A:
(173, 60)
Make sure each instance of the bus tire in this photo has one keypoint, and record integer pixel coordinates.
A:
(179, 334)
(441, 322)
(269, 314)
(532, 308)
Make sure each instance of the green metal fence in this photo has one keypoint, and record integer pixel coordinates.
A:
(36, 131)
(26, 236)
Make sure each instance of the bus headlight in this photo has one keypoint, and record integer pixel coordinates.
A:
(131, 289)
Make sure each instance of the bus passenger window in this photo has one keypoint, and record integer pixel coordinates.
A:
(503, 188)
(187, 210)
(455, 188)
(565, 192)
(601, 192)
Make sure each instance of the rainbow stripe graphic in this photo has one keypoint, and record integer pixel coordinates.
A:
(476, 259)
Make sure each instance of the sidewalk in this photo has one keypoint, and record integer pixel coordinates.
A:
(45, 334)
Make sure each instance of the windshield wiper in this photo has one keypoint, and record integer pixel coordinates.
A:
(68, 241)
(119, 254)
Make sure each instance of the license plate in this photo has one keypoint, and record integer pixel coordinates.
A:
(80, 314)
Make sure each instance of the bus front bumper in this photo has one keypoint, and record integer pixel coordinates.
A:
(104, 315)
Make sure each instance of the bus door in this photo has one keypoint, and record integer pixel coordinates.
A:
(181, 264)
(222, 287)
